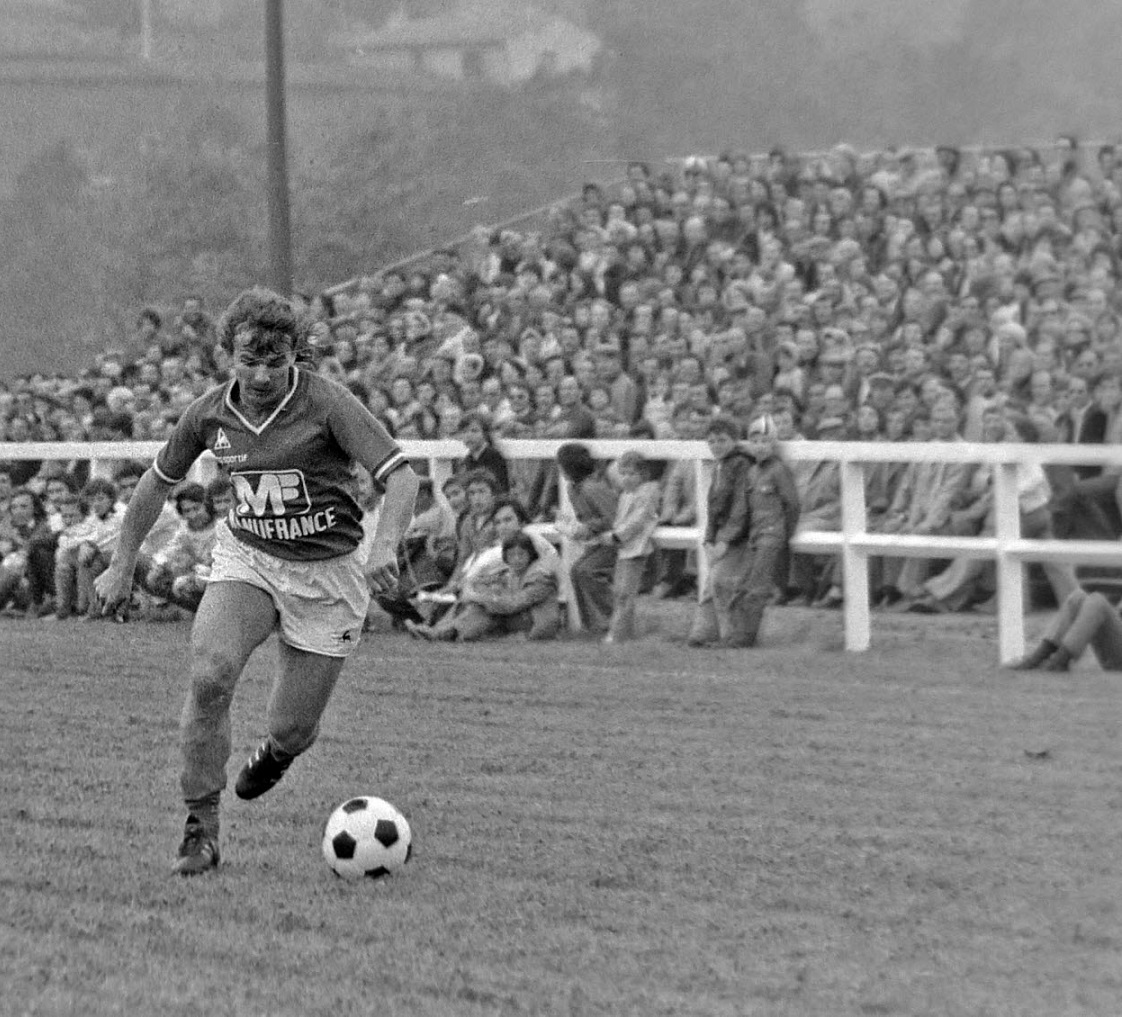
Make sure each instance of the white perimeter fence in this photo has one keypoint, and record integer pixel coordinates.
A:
(1006, 547)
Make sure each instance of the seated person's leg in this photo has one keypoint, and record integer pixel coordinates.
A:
(473, 623)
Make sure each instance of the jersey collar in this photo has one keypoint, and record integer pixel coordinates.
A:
(259, 428)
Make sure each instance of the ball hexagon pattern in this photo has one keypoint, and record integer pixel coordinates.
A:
(366, 838)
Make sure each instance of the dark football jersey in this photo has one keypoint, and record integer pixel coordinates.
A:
(292, 472)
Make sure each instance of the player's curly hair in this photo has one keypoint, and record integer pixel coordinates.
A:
(274, 323)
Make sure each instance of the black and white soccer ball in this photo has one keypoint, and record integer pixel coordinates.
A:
(366, 838)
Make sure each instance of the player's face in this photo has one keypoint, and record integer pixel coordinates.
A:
(262, 376)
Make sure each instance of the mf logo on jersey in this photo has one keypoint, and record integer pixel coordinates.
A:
(274, 494)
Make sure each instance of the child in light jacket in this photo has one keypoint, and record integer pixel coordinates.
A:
(84, 551)
(632, 535)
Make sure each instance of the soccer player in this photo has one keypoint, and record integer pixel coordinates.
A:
(286, 559)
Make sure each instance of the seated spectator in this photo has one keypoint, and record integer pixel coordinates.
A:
(84, 551)
(957, 586)
(178, 571)
(476, 534)
(815, 579)
(921, 506)
(523, 599)
(24, 521)
(508, 519)
(59, 493)
(1084, 619)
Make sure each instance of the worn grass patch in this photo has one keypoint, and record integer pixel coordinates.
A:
(636, 830)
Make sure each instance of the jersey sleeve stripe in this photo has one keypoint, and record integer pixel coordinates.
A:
(392, 463)
(163, 476)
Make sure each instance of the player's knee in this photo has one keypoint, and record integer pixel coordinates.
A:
(209, 695)
(214, 666)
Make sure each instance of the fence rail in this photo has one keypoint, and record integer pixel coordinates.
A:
(853, 542)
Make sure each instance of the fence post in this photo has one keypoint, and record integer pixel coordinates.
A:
(702, 479)
(439, 471)
(1010, 572)
(855, 563)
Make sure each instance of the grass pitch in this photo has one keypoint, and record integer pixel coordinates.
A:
(635, 830)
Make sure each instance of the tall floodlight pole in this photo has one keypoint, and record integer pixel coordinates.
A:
(146, 30)
(280, 227)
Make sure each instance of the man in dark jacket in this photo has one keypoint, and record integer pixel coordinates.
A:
(726, 534)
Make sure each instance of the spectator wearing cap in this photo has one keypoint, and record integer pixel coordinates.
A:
(773, 510)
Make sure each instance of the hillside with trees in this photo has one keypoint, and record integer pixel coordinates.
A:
(114, 205)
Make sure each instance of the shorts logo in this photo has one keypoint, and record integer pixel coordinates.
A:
(345, 637)
(221, 442)
(276, 494)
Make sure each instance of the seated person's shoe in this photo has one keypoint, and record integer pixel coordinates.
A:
(833, 597)
(901, 606)
(263, 771)
(199, 851)
(1059, 661)
(1034, 660)
(926, 605)
(418, 630)
(888, 597)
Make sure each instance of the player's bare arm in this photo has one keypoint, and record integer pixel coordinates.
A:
(114, 585)
(393, 521)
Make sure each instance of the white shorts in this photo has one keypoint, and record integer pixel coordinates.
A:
(322, 604)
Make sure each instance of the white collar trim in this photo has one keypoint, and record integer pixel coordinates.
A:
(255, 428)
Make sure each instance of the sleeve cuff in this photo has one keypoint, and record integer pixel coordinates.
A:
(164, 477)
(394, 462)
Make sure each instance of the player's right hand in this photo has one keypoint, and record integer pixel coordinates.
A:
(114, 586)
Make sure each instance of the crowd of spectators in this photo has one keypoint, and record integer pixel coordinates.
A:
(893, 295)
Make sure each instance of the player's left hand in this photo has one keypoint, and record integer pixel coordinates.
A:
(113, 586)
(382, 575)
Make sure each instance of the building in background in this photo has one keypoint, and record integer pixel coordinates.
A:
(504, 43)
